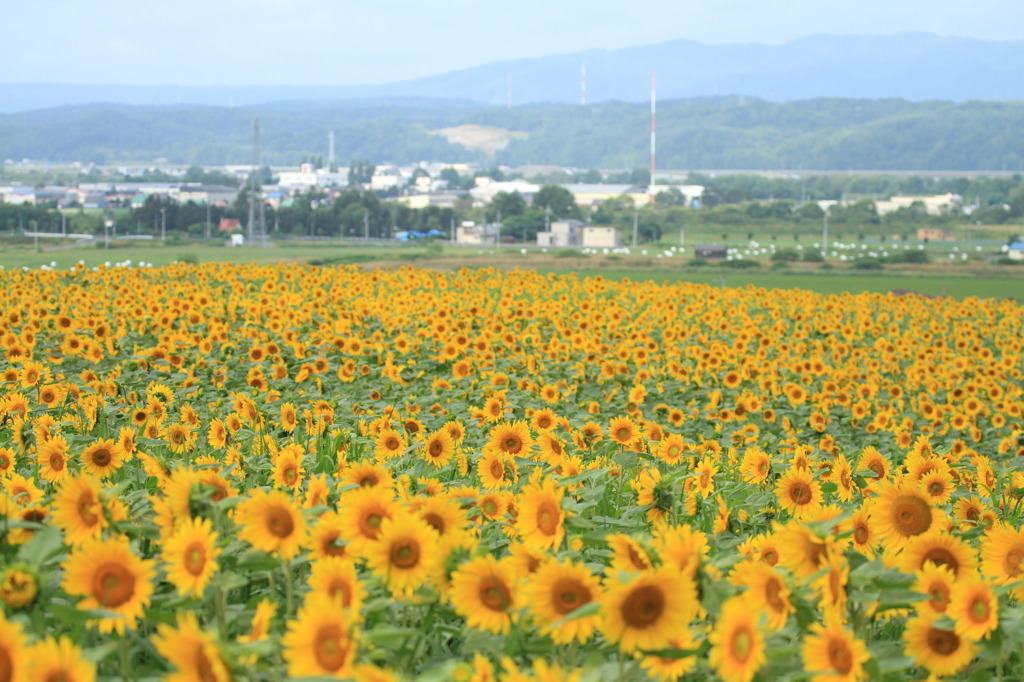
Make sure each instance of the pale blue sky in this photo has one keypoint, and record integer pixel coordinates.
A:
(341, 42)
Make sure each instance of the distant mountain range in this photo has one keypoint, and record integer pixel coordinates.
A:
(693, 133)
(912, 66)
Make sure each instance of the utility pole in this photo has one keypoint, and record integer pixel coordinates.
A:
(163, 223)
(250, 228)
(824, 235)
(366, 223)
(636, 222)
(207, 217)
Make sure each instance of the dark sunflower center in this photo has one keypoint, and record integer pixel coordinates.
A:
(195, 558)
(839, 656)
(643, 606)
(942, 642)
(280, 523)
(405, 554)
(113, 585)
(569, 594)
(329, 648)
(494, 594)
(911, 515)
(547, 518)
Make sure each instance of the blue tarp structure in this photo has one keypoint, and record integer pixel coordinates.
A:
(412, 234)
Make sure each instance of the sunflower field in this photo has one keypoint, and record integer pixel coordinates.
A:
(242, 472)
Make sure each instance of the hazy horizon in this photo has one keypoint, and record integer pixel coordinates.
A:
(273, 42)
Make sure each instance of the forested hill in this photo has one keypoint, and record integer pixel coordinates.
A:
(705, 133)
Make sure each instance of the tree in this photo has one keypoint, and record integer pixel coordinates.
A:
(505, 205)
(360, 172)
(559, 200)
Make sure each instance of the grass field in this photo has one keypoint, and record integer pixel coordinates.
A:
(975, 278)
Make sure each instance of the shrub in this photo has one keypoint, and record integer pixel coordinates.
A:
(868, 264)
(742, 263)
(812, 256)
(786, 256)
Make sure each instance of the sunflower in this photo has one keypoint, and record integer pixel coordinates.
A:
(191, 556)
(671, 449)
(737, 645)
(259, 628)
(899, 512)
(628, 554)
(272, 522)
(940, 548)
(102, 458)
(444, 515)
(871, 460)
(541, 521)
(766, 592)
(53, 459)
(324, 539)
(975, 608)
(484, 592)
(496, 470)
(194, 653)
(368, 475)
(940, 652)
(555, 590)
(863, 538)
(493, 505)
(970, 512)
(109, 576)
(798, 492)
(681, 547)
(438, 448)
(362, 512)
(512, 439)
(217, 434)
(403, 553)
(672, 668)
(623, 431)
(803, 551)
(14, 659)
(54, 659)
(1002, 556)
(543, 420)
(18, 587)
(78, 509)
(938, 485)
(937, 581)
(704, 476)
(336, 578)
(756, 465)
(288, 469)
(319, 642)
(552, 450)
(126, 441)
(287, 418)
(389, 443)
(22, 491)
(831, 651)
(647, 610)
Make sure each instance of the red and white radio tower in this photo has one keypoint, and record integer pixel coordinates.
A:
(654, 91)
(583, 84)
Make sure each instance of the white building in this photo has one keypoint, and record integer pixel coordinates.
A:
(386, 178)
(939, 204)
(476, 235)
(486, 189)
(601, 238)
(562, 233)
(307, 178)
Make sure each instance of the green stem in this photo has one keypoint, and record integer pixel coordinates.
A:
(287, 588)
(125, 661)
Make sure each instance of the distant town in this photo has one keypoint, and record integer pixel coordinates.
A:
(547, 207)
